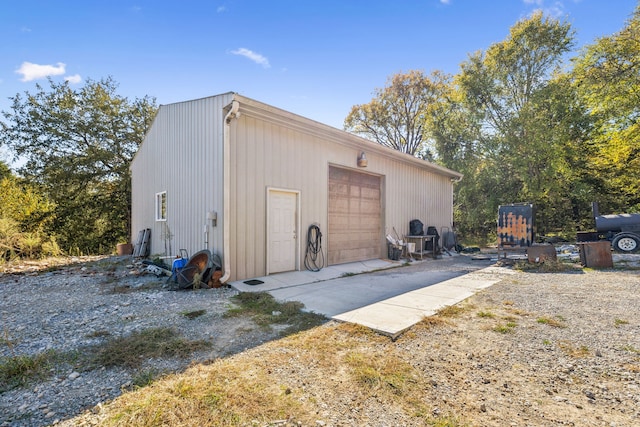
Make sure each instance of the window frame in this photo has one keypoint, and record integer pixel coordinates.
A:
(161, 206)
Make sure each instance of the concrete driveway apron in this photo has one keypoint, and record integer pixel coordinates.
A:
(377, 295)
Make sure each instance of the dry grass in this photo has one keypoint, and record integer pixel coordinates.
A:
(253, 389)
(486, 314)
(547, 266)
(570, 349)
(620, 322)
(454, 311)
(551, 321)
(223, 394)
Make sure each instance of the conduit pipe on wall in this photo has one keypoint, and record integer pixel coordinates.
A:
(226, 191)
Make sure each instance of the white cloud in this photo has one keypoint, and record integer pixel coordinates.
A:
(555, 10)
(445, 1)
(30, 71)
(75, 79)
(221, 9)
(255, 57)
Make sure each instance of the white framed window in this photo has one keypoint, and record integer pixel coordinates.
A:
(161, 206)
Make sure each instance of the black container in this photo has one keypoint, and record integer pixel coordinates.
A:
(587, 236)
(416, 227)
(393, 252)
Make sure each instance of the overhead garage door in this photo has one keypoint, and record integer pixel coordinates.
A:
(355, 220)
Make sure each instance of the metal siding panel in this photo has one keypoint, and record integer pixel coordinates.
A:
(182, 154)
(251, 160)
(413, 193)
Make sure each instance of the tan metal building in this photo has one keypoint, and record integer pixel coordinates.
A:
(246, 180)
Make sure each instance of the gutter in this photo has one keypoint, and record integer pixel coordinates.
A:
(226, 192)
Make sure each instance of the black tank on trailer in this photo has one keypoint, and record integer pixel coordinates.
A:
(623, 230)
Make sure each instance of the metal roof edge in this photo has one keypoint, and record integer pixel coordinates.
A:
(306, 125)
(286, 118)
(198, 99)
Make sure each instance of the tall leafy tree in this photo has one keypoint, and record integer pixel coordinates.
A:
(517, 110)
(76, 146)
(607, 75)
(395, 116)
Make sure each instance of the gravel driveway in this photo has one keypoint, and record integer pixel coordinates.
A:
(534, 349)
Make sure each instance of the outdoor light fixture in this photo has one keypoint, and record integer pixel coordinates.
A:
(213, 217)
(362, 160)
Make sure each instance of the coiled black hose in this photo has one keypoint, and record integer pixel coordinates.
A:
(314, 258)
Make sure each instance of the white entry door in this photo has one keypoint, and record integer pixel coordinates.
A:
(282, 233)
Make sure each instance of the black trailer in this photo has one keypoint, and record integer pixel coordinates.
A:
(622, 230)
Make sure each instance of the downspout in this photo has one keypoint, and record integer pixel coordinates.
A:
(226, 191)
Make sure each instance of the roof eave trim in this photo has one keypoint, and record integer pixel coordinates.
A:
(276, 115)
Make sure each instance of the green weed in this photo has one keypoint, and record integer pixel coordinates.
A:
(453, 310)
(620, 322)
(193, 314)
(266, 311)
(486, 314)
(17, 371)
(132, 350)
(556, 323)
(505, 328)
(145, 377)
(631, 349)
(546, 266)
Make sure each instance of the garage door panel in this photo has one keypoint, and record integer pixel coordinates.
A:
(339, 189)
(355, 216)
(370, 194)
(372, 206)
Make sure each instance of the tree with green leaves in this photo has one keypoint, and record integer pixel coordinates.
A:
(76, 146)
(516, 110)
(395, 117)
(5, 170)
(607, 76)
(25, 219)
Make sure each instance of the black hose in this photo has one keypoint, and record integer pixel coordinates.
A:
(314, 249)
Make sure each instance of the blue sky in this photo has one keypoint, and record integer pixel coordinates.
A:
(313, 58)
